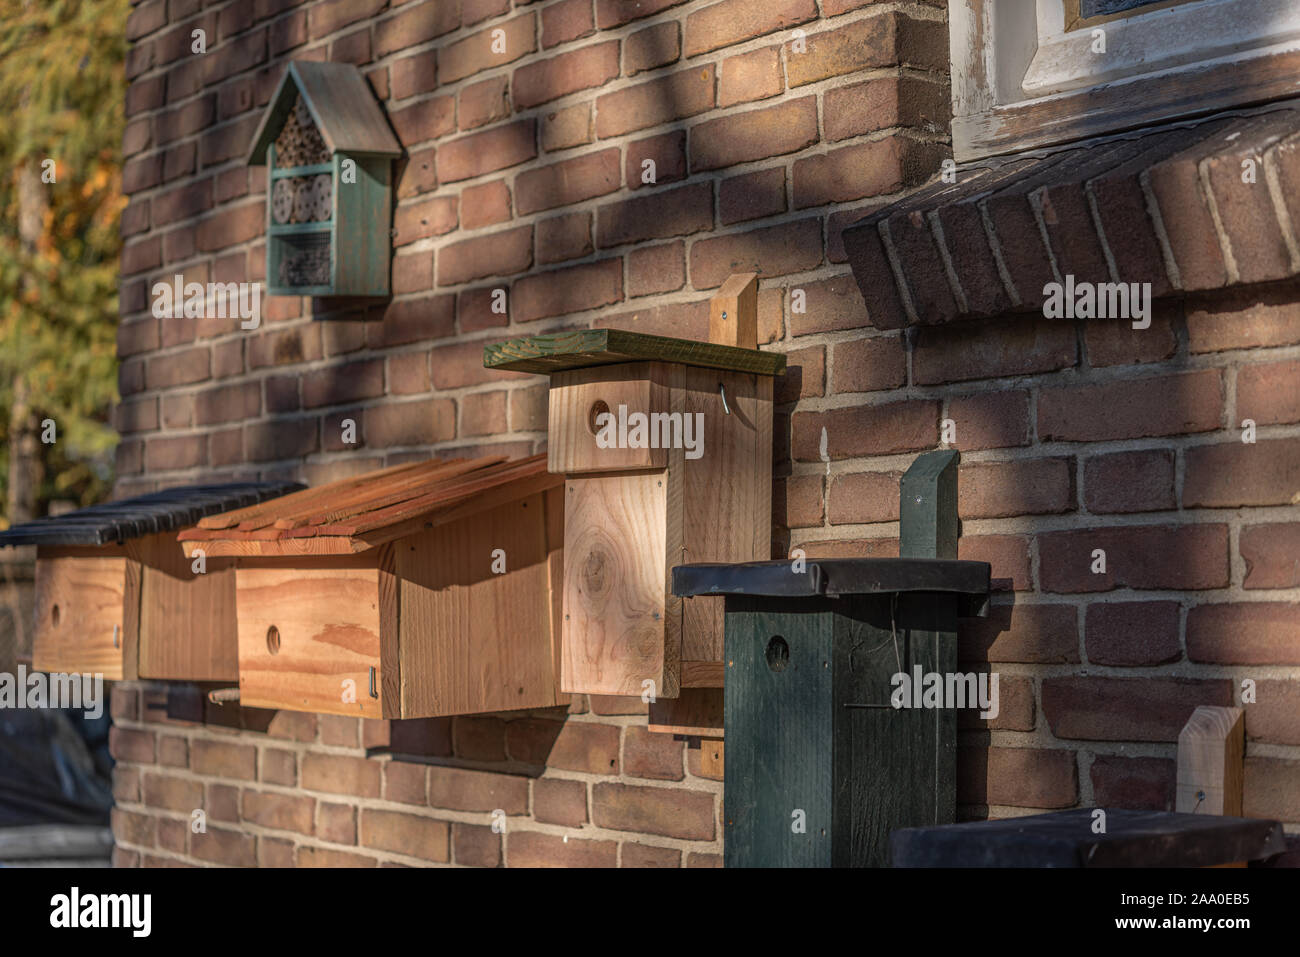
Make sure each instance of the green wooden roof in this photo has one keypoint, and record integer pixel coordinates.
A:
(341, 102)
(559, 351)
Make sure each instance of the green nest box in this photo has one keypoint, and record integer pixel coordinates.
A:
(329, 154)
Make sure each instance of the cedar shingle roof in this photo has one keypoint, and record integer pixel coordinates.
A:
(356, 514)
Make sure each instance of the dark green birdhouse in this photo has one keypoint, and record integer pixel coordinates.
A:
(829, 749)
(329, 155)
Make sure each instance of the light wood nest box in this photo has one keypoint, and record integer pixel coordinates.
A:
(115, 594)
(423, 589)
(329, 155)
(639, 501)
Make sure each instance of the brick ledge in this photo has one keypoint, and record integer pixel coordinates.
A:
(1165, 205)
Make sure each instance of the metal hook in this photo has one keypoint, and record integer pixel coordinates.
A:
(117, 636)
(374, 692)
(722, 390)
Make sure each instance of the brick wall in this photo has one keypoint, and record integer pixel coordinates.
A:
(524, 173)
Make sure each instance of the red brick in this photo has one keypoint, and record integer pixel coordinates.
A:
(1025, 487)
(283, 812)
(769, 251)
(279, 767)
(1133, 633)
(558, 76)
(474, 53)
(406, 783)
(615, 13)
(1111, 343)
(337, 823)
(829, 305)
(733, 21)
(564, 237)
(475, 11)
(869, 365)
(484, 102)
(1141, 557)
(1008, 554)
(566, 128)
(461, 790)
(557, 801)
(656, 101)
(416, 74)
(668, 153)
(562, 291)
(1234, 474)
(1272, 789)
(339, 774)
(906, 426)
(1015, 708)
(645, 855)
(1141, 481)
(990, 350)
(752, 196)
(671, 812)
(866, 169)
(1145, 784)
(483, 414)
(326, 18)
(1269, 392)
(325, 857)
(1017, 777)
(656, 269)
(486, 152)
(567, 182)
(452, 367)
(407, 834)
(750, 76)
(421, 422)
(991, 420)
(530, 849)
(585, 746)
(1134, 408)
(798, 502)
(1275, 717)
(1021, 633)
(1244, 318)
(484, 204)
(565, 21)
(657, 214)
(414, 320)
(1244, 633)
(1272, 555)
(497, 254)
(648, 754)
(754, 135)
(1127, 709)
(882, 102)
(231, 848)
(657, 45)
(887, 40)
(476, 846)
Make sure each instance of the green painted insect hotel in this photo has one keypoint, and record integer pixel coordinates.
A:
(329, 155)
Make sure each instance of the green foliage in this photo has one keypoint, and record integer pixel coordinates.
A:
(62, 88)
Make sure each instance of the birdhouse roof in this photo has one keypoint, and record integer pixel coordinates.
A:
(341, 104)
(356, 514)
(111, 523)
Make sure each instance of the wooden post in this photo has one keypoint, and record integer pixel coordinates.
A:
(733, 312)
(928, 526)
(1211, 754)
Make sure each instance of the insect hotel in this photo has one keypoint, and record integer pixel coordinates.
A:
(115, 594)
(665, 446)
(420, 590)
(329, 154)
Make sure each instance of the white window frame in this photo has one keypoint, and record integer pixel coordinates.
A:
(1022, 80)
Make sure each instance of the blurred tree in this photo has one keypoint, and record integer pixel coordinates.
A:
(62, 87)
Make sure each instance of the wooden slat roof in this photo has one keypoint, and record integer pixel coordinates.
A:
(340, 102)
(163, 511)
(358, 513)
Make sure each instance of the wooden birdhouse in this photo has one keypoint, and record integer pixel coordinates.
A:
(115, 594)
(666, 449)
(329, 155)
(425, 589)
